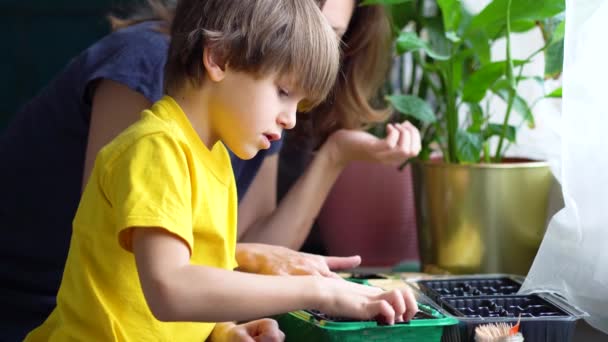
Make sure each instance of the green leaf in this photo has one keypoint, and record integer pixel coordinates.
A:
(559, 33)
(557, 93)
(481, 80)
(383, 2)
(401, 15)
(468, 146)
(451, 13)
(496, 130)
(522, 25)
(413, 106)
(554, 59)
(492, 19)
(453, 37)
(409, 41)
(476, 117)
(517, 26)
(501, 88)
(458, 65)
(437, 39)
(480, 43)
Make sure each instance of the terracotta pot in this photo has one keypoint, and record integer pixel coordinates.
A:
(370, 212)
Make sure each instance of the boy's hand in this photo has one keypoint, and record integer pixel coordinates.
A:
(277, 260)
(261, 330)
(346, 299)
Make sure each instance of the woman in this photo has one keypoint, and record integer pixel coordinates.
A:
(334, 130)
(48, 150)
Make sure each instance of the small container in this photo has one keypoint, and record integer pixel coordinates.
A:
(483, 299)
(306, 326)
(472, 286)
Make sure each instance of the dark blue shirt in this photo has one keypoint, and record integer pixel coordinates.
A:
(42, 155)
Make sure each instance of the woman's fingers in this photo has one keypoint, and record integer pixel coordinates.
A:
(404, 144)
(392, 136)
(415, 144)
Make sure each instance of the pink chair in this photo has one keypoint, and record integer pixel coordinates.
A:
(370, 211)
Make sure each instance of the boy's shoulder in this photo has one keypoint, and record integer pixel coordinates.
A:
(149, 130)
(164, 131)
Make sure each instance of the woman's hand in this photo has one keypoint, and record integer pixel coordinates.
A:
(261, 330)
(402, 141)
(277, 260)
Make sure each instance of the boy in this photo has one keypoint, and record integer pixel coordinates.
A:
(152, 250)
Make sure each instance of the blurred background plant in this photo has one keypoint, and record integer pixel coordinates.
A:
(446, 77)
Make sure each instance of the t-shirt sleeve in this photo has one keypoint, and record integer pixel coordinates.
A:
(148, 185)
(134, 57)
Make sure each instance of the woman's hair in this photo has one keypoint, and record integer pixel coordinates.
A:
(367, 55)
(161, 10)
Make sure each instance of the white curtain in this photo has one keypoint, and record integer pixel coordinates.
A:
(573, 257)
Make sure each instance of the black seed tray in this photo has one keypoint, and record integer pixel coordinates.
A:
(541, 319)
(469, 287)
(502, 306)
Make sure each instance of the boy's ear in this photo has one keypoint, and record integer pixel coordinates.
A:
(213, 65)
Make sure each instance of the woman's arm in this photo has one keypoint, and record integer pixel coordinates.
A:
(261, 198)
(289, 224)
(115, 106)
(176, 290)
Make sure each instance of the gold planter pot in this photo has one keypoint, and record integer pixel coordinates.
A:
(481, 218)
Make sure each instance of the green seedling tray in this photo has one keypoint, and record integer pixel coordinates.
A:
(306, 326)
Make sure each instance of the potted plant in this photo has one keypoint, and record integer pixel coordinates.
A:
(477, 210)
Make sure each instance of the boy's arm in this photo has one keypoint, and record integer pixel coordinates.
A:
(176, 290)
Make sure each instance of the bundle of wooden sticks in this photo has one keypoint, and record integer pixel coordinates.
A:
(498, 332)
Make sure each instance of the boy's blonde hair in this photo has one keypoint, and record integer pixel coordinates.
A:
(290, 37)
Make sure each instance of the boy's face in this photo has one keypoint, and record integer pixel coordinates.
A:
(250, 113)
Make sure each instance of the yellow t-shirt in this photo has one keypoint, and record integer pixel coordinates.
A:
(157, 173)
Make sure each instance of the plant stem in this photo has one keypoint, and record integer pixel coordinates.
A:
(512, 87)
(427, 79)
(400, 76)
(486, 152)
(451, 113)
(412, 86)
